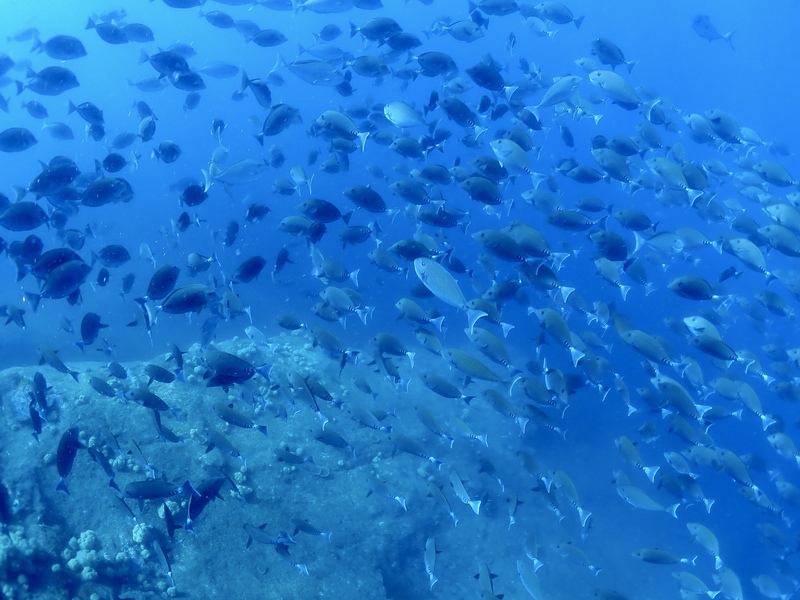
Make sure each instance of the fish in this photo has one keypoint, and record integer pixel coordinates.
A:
(434, 277)
(91, 326)
(107, 190)
(50, 81)
(227, 413)
(561, 90)
(430, 560)
(109, 32)
(68, 447)
(249, 269)
(226, 369)
(693, 287)
(638, 498)
(167, 151)
(329, 32)
(462, 429)
(152, 489)
(514, 158)
(616, 88)
(112, 256)
(306, 527)
(608, 53)
(402, 115)
(707, 540)
(575, 555)
(186, 299)
(410, 446)
(702, 26)
(50, 357)
(241, 172)
(138, 32)
(558, 13)
(162, 282)
(13, 314)
(158, 373)
(462, 494)
(16, 139)
(60, 47)
(316, 72)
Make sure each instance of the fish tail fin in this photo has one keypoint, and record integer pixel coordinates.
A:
(19, 193)
(363, 137)
(576, 355)
(475, 505)
(584, 516)
(188, 488)
(729, 38)
(473, 316)
(651, 473)
(37, 47)
(578, 22)
(34, 299)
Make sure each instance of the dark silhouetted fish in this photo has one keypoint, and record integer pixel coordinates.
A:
(162, 282)
(112, 256)
(16, 139)
(90, 329)
(249, 269)
(68, 447)
(61, 47)
(187, 299)
(50, 81)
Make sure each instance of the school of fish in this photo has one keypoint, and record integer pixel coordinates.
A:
(527, 291)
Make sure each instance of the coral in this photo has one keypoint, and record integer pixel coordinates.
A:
(88, 540)
(141, 533)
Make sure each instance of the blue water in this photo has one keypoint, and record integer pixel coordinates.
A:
(377, 548)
